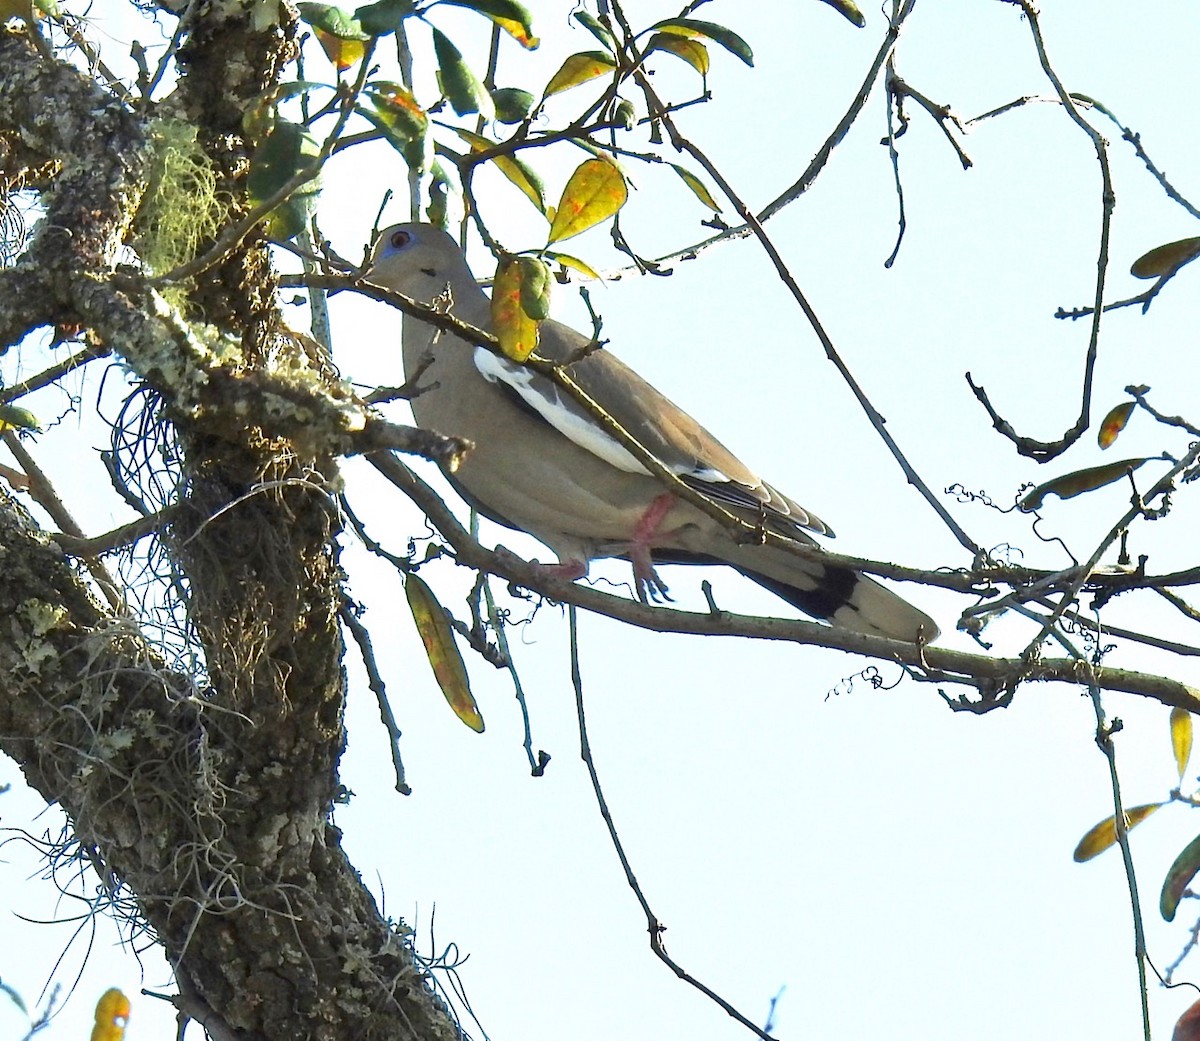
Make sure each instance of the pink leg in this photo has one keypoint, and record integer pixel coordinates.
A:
(645, 578)
(565, 570)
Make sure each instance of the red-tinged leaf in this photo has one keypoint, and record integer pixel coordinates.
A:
(1181, 738)
(1178, 877)
(464, 92)
(1114, 423)
(342, 52)
(398, 108)
(691, 51)
(594, 193)
(112, 1016)
(579, 68)
(511, 16)
(593, 25)
(516, 331)
(1104, 834)
(513, 168)
(698, 187)
(433, 625)
(727, 38)
(1166, 259)
(568, 261)
(403, 123)
(849, 9)
(1069, 485)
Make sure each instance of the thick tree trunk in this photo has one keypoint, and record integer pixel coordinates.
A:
(206, 796)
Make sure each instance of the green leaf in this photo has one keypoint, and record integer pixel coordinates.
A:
(332, 20)
(849, 9)
(1166, 259)
(512, 168)
(536, 281)
(283, 154)
(512, 104)
(1069, 485)
(464, 92)
(1181, 738)
(440, 186)
(385, 17)
(14, 997)
(691, 27)
(625, 114)
(511, 16)
(593, 25)
(433, 625)
(691, 51)
(698, 187)
(13, 417)
(1114, 423)
(1178, 876)
(514, 328)
(1104, 834)
(594, 193)
(577, 69)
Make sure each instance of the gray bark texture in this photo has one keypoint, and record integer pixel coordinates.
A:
(203, 803)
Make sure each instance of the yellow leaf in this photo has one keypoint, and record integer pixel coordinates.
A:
(594, 193)
(1166, 259)
(516, 331)
(1114, 423)
(1181, 738)
(342, 52)
(566, 260)
(13, 417)
(579, 68)
(698, 187)
(512, 168)
(691, 51)
(692, 27)
(444, 657)
(850, 10)
(1104, 834)
(1072, 484)
(112, 1016)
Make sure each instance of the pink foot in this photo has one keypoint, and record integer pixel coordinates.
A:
(649, 586)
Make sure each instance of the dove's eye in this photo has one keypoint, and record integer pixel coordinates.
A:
(400, 239)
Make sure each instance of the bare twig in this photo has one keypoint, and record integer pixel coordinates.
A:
(653, 926)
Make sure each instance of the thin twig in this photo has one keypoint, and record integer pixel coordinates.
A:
(362, 637)
(653, 926)
(1104, 739)
(1044, 451)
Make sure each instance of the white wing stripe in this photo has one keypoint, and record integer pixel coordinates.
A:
(544, 398)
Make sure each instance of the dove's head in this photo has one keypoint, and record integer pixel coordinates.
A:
(420, 260)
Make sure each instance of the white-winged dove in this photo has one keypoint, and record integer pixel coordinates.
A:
(541, 464)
